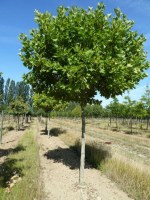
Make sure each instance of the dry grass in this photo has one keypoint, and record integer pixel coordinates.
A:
(132, 180)
(129, 176)
(134, 147)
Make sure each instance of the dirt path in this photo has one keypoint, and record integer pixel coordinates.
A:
(9, 142)
(60, 174)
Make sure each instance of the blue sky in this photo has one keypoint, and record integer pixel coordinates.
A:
(17, 16)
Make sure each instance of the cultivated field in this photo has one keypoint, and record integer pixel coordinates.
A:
(117, 164)
(134, 147)
(130, 153)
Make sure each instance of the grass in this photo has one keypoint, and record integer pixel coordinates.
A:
(24, 160)
(131, 146)
(137, 128)
(134, 181)
(96, 153)
(148, 135)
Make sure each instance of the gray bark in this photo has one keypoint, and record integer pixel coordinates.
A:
(48, 133)
(82, 158)
(18, 121)
(131, 125)
(147, 124)
(46, 121)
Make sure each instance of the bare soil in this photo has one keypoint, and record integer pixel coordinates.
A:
(9, 142)
(59, 170)
(60, 174)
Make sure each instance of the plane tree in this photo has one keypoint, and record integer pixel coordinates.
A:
(77, 53)
(145, 99)
(139, 112)
(45, 103)
(114, 110)
(18, 107)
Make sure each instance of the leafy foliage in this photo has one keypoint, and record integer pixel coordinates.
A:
(78, 52)
(146, 100)
(44, 102)
(18, 106)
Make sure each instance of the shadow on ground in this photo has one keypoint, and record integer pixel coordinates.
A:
(53, 132)
(57, 131)
(10, 166)
(6, 152)
(23, 128)
(8, 169)
(43, 132)
(66, 156)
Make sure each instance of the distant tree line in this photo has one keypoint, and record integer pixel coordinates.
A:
(127, 109)
(17, 98)
(12, 92)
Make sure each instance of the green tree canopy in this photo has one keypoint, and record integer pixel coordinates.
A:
(44, 102)
(18, 106)
(78, 52)
(129, 103)
(146, 100)
(113, 108)
(139, 110)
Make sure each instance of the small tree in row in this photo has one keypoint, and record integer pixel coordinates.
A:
(146, 101)
(46, 103)
(18, 107)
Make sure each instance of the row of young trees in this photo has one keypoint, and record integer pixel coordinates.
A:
(127, 109)
(78, 52)
(15, 100)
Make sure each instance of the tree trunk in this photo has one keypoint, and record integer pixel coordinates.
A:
(131, 124)
(46, 124)
(18, 127)
(22, 120)
(27, 119)
(82, 158)
(117, 122)
(147, 124)
(1, 131)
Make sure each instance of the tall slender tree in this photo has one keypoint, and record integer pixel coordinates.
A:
(114, 109)
(18, 107)
(7, 91)
(1, 91)
(11, 92)
(46, 103)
